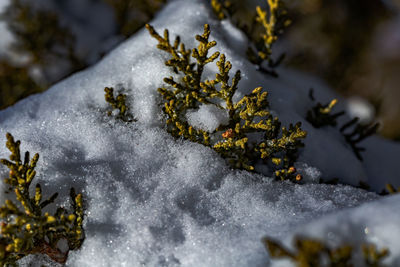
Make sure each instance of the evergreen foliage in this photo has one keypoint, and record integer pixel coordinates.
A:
(372, 256)
(25, 227)
(263, 31)
(30, 230)
(314, 253)
(248, 117)
(222, 9)
(117, 103)
(358, 134)
(320, 115)
(273, 22)
(391, 189)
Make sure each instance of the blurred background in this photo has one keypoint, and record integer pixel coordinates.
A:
(353, 45)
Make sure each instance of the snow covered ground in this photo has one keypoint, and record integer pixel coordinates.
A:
(156, 201)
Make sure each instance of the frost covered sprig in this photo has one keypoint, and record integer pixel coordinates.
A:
(251, 135)
(313, 252)
(25, 228)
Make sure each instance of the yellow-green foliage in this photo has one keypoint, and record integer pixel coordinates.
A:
(272, 21)
(391, 190)
(269, 21)
(314, 253)
(25, 228)
(247, 118)
(372, 256)
(221, 8)
(131, 15)
(263, 31)
(119, 103)
(320, 115)
(358, 134)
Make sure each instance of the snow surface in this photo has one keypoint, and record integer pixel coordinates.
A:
(207, 117)
(152, 200)
(359, 107)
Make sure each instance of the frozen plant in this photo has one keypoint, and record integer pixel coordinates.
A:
(314, 253)
(222, 9)
(320, 114)
(272, 21)
(117, 103)
(263, 31)
(251, 134)
(390, 189)
(358, 134)
(25, 229)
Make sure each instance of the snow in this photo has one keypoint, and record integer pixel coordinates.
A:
(207, 117)
(359, 107)
(359, 225)
(153, 200)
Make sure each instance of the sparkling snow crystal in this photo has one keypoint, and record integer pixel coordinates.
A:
(207, 117)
